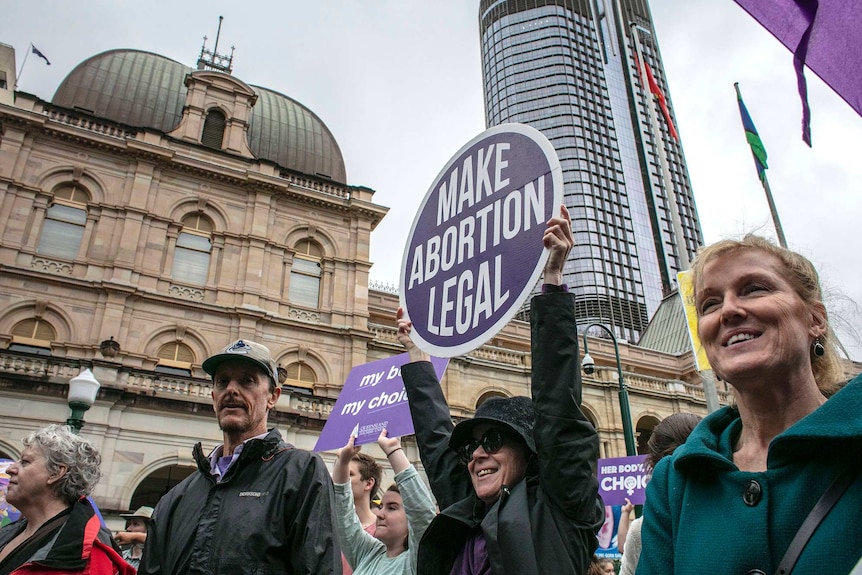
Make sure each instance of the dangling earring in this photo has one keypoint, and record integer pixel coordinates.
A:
(818, 348)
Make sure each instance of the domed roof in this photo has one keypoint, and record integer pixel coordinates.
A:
(146, 90)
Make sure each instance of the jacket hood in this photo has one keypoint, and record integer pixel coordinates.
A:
(265, 448)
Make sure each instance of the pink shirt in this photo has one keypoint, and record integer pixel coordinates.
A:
(345, 566)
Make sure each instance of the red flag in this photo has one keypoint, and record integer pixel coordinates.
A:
(656, 91)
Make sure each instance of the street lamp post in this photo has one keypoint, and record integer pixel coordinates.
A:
(82, 395)
(589, 366)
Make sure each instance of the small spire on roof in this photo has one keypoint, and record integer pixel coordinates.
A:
(211, 59)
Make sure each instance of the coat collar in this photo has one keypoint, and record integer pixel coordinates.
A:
(835, 424)
(264, 448)
(70, 548)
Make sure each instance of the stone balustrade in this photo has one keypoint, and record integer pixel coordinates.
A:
(500, 355)
(148, 382)
(81, 121)
(308, 405)
(647, 384)
(41, 367)
(152, 383)
(141, 381)
(314, 185)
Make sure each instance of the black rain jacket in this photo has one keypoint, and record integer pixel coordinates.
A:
(546, 523)
(273, 512)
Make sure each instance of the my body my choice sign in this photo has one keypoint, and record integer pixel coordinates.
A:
(475, 251)
(373, 398)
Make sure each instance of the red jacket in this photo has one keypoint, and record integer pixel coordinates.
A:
(82, 547)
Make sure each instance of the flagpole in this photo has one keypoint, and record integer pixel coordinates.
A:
(680, 244)
(756, 145)
(21, 69)
(774, 211)
(710, 394)
(650, 187)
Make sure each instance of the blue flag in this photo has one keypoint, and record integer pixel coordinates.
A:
(40, 54)
(757, 149)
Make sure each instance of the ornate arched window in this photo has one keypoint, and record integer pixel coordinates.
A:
(305, 274)
(300, 375)
(213, 132)
(33, 336)
(192, 255)
(64, 224)
(175, 358)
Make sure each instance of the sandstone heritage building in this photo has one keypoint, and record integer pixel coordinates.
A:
(153, 213)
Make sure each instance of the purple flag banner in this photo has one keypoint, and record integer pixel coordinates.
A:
(621, 478)
(373, 398)
(823, 35)
(474, 253)
(40, 54)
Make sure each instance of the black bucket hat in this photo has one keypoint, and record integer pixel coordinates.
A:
(514, 413)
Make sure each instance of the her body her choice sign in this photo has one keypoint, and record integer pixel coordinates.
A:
(475, 251)
(620, 478)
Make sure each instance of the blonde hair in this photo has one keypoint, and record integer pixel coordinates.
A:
(799, 271)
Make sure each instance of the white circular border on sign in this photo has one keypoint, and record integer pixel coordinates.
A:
(557, 182)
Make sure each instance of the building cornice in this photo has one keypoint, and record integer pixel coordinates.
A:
(81, 128)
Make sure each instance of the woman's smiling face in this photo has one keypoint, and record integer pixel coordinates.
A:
(751, 321)
(489, 472)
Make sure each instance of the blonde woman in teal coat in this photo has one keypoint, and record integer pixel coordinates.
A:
(731, 500)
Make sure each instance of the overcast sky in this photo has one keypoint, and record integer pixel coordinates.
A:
(399, 84)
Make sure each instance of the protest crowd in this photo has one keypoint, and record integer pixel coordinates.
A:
(770, 484)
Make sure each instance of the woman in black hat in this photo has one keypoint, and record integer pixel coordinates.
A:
(517, 483)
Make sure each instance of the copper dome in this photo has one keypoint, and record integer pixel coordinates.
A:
(146, 90)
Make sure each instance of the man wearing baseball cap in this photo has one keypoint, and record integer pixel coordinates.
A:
(256, 503)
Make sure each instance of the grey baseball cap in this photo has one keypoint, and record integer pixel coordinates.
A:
(243, 349)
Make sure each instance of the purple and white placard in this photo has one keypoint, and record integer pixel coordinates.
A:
(373, 398)
(622, 477)
(475, 253)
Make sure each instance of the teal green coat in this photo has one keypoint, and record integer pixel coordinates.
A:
(704, 515)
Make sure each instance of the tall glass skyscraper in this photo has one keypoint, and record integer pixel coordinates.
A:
(568, 68)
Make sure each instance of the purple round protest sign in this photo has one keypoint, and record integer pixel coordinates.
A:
(475, 250)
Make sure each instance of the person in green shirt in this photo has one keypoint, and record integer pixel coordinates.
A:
(405, 513)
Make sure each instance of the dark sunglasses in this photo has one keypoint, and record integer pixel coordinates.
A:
(491, 441)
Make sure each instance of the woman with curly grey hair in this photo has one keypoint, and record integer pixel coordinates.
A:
(58, 532)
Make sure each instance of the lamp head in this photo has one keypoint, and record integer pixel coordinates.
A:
(588, 365)
(83, 389)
